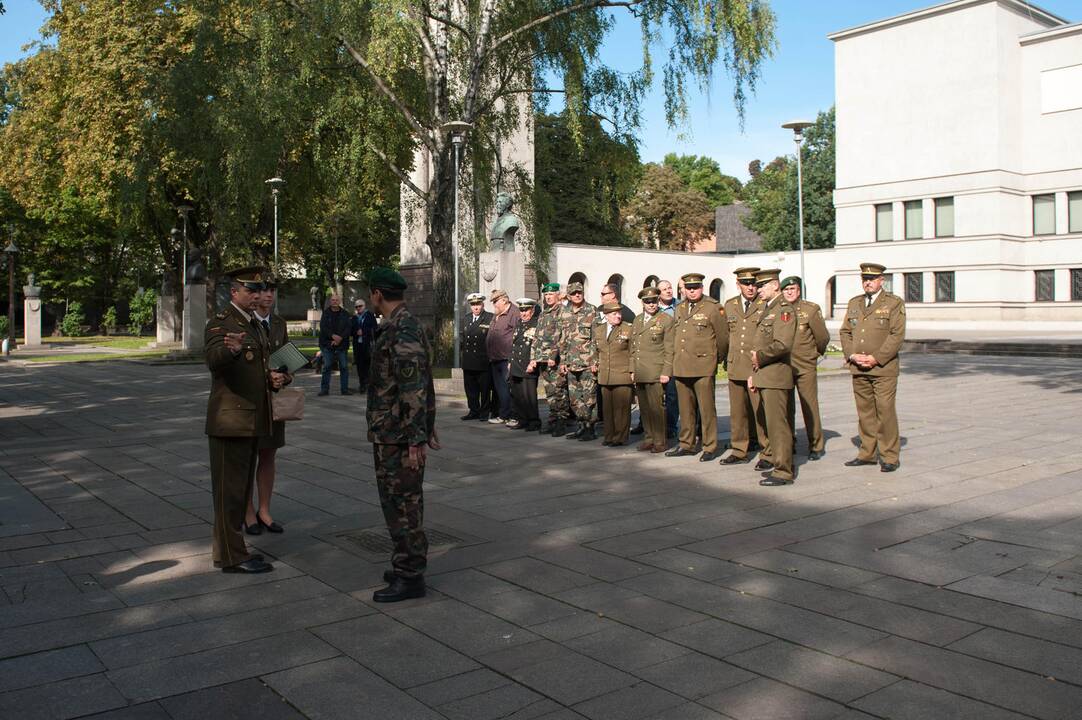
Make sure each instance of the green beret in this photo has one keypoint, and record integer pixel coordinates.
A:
(791, 280)
(550, 287)
(384, 278)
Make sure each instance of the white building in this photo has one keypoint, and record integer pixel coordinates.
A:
(959, 167)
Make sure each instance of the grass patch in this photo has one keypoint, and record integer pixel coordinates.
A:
(92, 357)
(118, 342)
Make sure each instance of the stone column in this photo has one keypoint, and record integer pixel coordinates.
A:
(167, 320)
(195, 316)
(503, 270)
(31, 316)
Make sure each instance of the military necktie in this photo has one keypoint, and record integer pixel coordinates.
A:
(867, 300)
(266, 326)
(747, 304)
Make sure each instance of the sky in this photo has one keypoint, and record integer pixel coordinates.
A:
(797, 83)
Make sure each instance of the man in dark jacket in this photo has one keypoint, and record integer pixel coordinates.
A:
(333, 331)
(498, 343)
(524, 382)
(362, 332)
(476, 378)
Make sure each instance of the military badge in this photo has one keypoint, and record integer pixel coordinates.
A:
(249, 356)
(786, 316)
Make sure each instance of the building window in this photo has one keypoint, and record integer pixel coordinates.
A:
(914, 287)
(914, 219)
(1044, 214)
(1074, 211)
(1045, 285)
(944, 217)
(884, 222)
(888, 282)
(1076, 285)
(944, 286)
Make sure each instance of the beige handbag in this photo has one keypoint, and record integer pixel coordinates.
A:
(288, 404)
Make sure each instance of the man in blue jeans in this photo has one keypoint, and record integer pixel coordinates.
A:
(333, 344)
(498, 344)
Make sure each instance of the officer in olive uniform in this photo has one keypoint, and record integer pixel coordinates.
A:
(545, 358)
(578, 355)
(237, 353)
(772, 376)
(742, 314)
(872, 334)
(811, 342)
(651, 364)
(476, 377)
(613, 341)
(401, 416)
(524, 380)
(700, 341)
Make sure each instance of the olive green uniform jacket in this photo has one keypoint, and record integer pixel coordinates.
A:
(812, 337)
(240, 393)
(878, 330)
(773, 345)
(700, 338)
(613, 354)
(743, 327)
(652, 347)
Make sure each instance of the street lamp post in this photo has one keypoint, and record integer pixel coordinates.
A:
(275, 184)
(11, 250)
(798, 126)
(458, 130)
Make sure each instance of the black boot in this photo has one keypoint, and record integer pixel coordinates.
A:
(588, 434)
(580, 428)
(401, 589)
(559, 427)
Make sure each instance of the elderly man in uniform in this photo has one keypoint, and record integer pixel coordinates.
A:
(872, 334)
(772, 376)
(700, 340)
(524, 381)
(742, 313)
(651, 365)
(544, 358)
(578, 354)
(237, 352)
(666, 305)
(613, 368)
(476, 376)
(811, 342)
(401, 418)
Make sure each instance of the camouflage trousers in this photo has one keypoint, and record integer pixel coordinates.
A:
(582, 392)
(402, 499)
(556, 393)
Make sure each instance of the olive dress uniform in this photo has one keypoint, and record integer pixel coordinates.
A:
(476, 377)
(700, 341)
(878, 330)
(811, 342)
(651, 357)
(614, 377)
(776, 332)
(523, 382)
(238, 414)
(745, 421)
(277, 336)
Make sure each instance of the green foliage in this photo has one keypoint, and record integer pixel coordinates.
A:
(109, 321)
(142, 309)
(72, 323)
(3, 326)
(665, 213)
(704, 174)
(771, 194)
(579, 189)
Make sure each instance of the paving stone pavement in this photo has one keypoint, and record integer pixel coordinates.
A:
(567, 580)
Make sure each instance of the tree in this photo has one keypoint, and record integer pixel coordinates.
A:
(665, 213)
(704, 174)
(772, 193)
(478, 62)
(580, 187)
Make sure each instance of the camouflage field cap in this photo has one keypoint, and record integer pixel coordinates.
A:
(791, 280)
(872, 270)
(253, 277)
(384, 278)
(764, 276)
(574, 287)
(610, 307)
(649, 293)
(692, 278)
(550, 287)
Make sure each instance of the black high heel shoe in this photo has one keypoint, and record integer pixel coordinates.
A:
(273, 527)
(256, 529)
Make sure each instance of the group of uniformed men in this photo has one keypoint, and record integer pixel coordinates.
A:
(768, 338)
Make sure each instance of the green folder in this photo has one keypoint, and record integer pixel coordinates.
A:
(288, 356)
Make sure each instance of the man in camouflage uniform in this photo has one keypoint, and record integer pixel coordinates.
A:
(578, 354)
(401, 425)
(545, 355)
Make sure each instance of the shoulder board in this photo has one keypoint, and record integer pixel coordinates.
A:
(222, 315)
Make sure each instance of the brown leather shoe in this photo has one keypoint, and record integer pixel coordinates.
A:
(644, 446)
(659, 448)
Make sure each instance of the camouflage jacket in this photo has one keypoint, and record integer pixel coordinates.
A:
(577, 348)
(546, 347)
(401, 396)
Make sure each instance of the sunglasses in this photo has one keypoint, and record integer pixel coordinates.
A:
(575, 292)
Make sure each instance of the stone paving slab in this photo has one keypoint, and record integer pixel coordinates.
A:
(591, 583)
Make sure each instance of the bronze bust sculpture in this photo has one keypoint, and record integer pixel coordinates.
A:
(507, 223)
